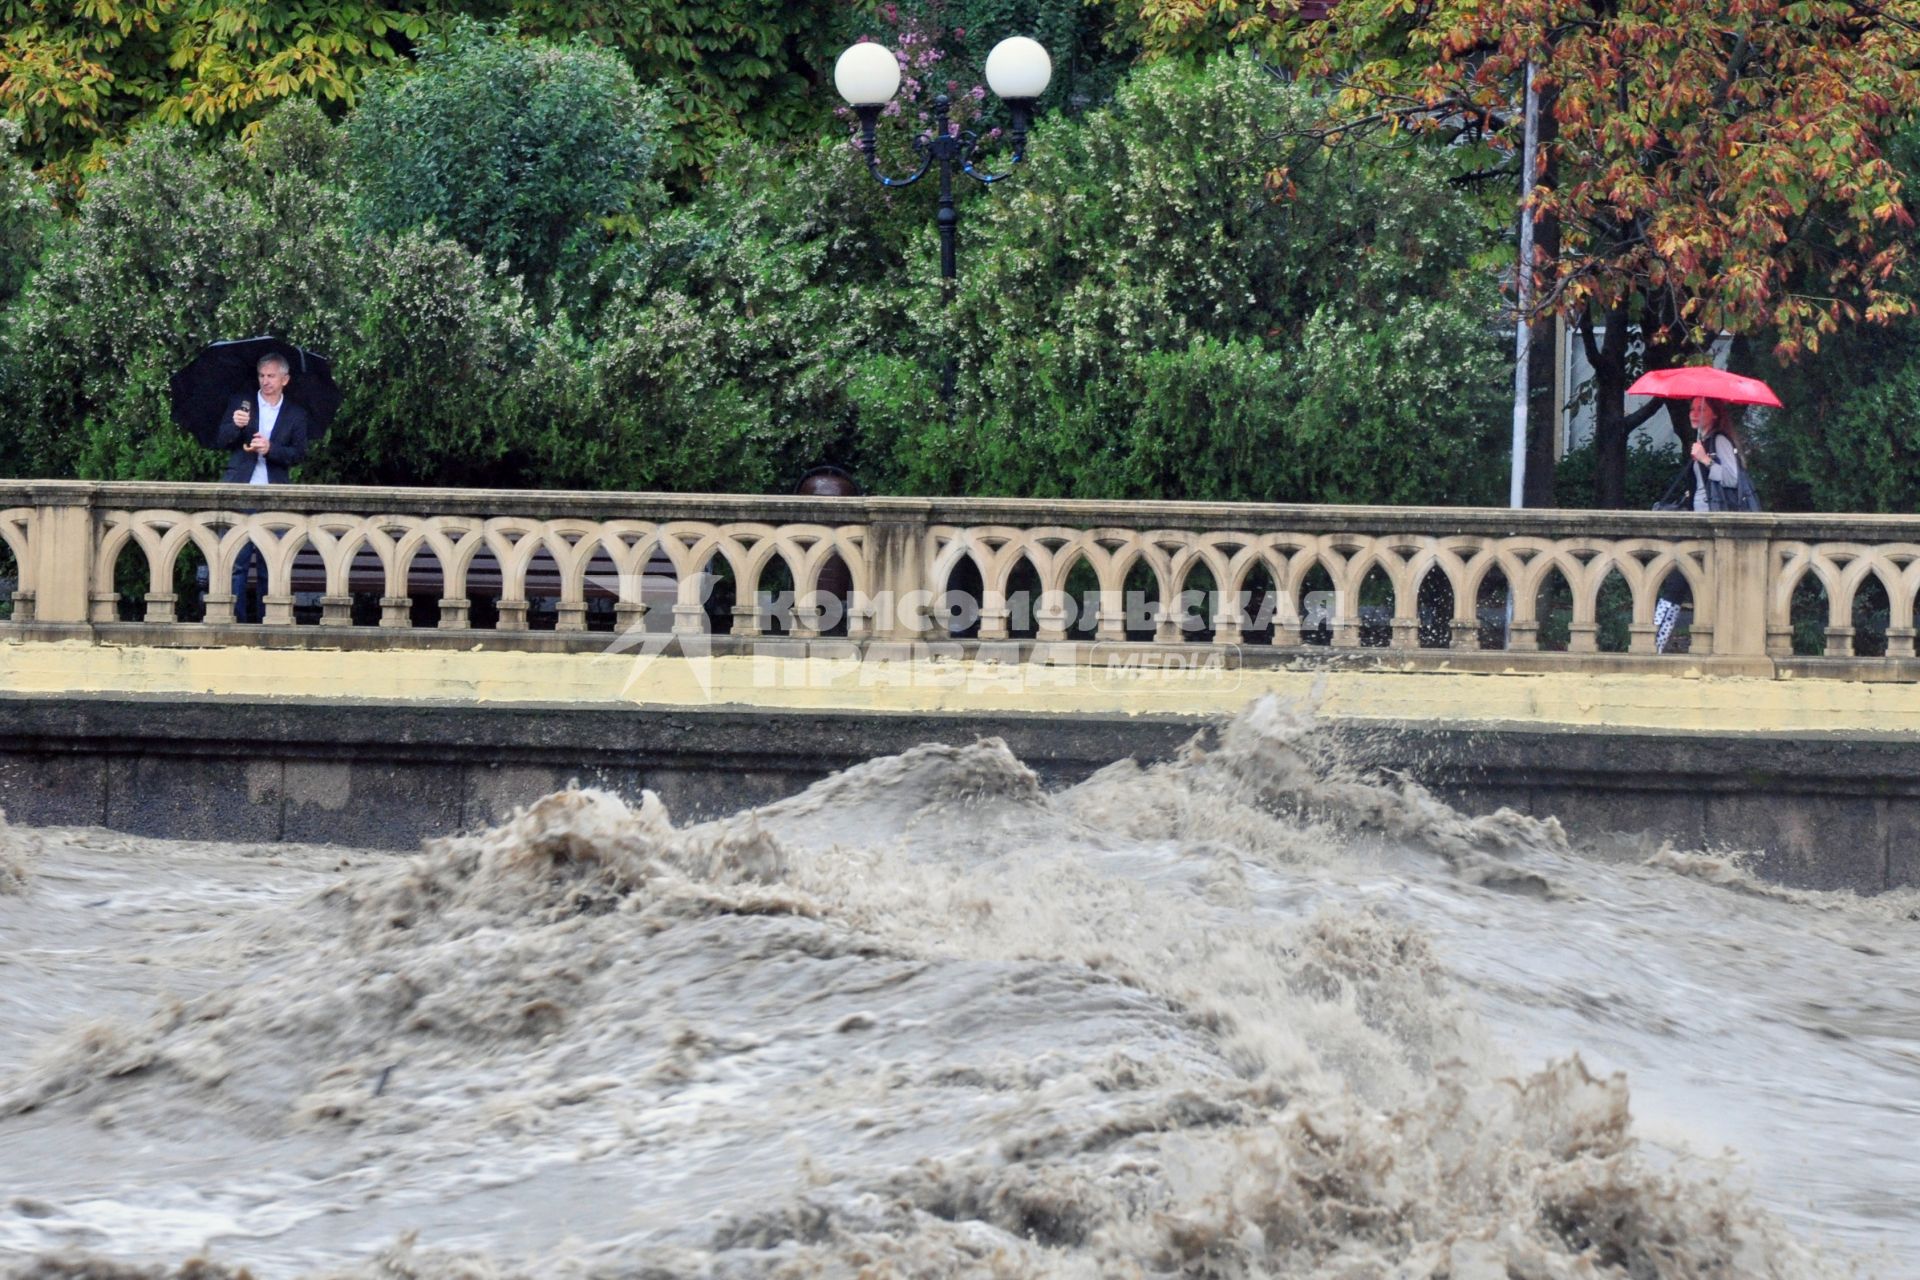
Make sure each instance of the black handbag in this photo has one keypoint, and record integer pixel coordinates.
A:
(1738, 496)
(1679, 494)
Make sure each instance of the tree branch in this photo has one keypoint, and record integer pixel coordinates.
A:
(1644, 412)
(1876, 12)
(1736, 63)
(1482, 175)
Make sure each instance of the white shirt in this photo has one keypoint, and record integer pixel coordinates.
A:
(265, 415)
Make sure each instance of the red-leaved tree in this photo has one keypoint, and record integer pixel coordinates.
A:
(1714, 166)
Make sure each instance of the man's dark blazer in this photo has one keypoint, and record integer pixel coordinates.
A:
(287, 448)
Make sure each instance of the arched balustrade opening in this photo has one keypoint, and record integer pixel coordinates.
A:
(132, 581)
(307, 594)
(1613, 614)
(1140, 597)
(957, 603)
(191, 580)
(1676, 591)
(541, 589)
(774, 602)
(718, 593)
(1490, 610)
(1872, 615)
(1808, 616)
(1376, 609)
(426, 588)
(9, 580)
(1259, 604)
(1196, 604)
(1553, 613)
(1023, 600)
(1317, 606)
(1434, 601)
(1082, 592)
(833, 589)
(601, 585)
(483, 591)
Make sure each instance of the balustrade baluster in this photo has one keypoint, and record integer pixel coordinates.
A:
(1226, 621)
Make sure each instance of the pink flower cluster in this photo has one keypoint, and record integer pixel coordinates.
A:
(920, 44)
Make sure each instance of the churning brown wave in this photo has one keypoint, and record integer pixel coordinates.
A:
(1250, 1013)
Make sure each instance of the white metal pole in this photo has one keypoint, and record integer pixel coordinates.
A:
(1523, 296)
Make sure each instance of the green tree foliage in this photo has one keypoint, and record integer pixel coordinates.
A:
(26, 216)
(1146, 313)
(1650, 473)
(1849, 438)
(174, 247)
(733, 322)
(1142, 313)
(1186, 28)
(80, 75)
(527, 153)
(710, 366)
(434, 370)
(729, 69)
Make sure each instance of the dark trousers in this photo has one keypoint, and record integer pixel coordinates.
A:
(245, 608)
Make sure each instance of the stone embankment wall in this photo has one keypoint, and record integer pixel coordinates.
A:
(1826, 810)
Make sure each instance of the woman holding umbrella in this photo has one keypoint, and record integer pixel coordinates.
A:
(1718, 473)
(1715, 472)
(1716, 457)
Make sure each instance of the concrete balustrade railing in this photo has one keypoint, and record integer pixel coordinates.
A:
(1406, 585)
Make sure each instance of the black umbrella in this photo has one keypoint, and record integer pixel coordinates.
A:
(223, 370)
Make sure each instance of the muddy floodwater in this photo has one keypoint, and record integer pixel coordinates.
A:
(1249, 1013)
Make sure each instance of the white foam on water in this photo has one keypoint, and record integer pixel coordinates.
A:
(1251, 1012)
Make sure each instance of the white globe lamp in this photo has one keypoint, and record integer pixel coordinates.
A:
(867, 74)
(1018, 69)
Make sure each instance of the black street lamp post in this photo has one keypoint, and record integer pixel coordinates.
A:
(1017, 71)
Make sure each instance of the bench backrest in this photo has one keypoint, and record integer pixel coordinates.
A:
(368, 576)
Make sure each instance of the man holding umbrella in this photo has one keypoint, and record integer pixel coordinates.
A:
(265, 441)
(233, 397)
(264, 449)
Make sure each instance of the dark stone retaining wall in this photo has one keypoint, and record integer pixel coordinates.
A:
(1826, 812)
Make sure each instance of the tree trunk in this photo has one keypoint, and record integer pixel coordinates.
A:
(1543, 418)
(1608, 356)
(1613, 425)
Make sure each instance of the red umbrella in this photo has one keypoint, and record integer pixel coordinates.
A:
(1704, 380)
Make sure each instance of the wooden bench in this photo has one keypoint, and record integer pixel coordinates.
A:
(368, 576)
(540, 608)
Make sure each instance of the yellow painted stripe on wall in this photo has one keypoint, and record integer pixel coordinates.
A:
(496, 677)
